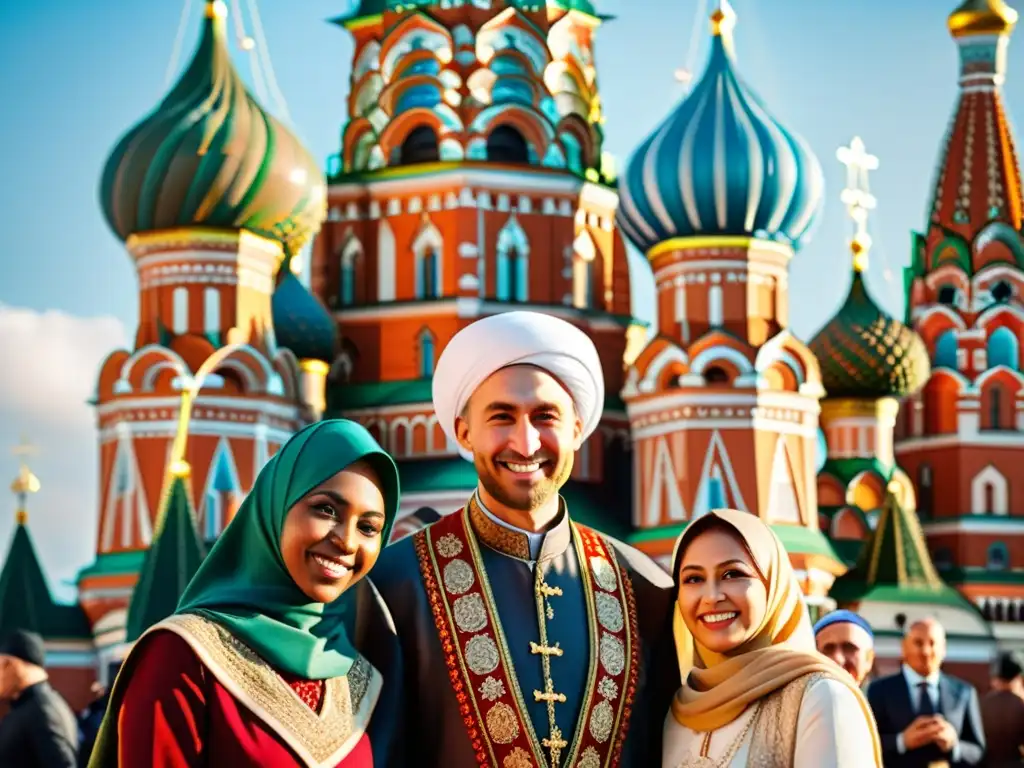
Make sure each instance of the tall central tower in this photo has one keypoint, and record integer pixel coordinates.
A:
(723, 403)
(470, 181)
(962, 438)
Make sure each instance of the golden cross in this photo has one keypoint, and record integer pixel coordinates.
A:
(546, 650)
(555, 744)
(549, 694)
(857, 196)
(547, 591)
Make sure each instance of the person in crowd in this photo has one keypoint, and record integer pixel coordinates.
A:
(755, 691)
(1002, 713)
(40, 730)
(847, 639)
(528, 639)
(259, 665)
(926, 717)
(89, 721)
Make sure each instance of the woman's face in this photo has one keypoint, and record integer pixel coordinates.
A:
(333, 536)
(721, 596)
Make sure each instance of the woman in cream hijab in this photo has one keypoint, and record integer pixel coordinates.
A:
(755, 690)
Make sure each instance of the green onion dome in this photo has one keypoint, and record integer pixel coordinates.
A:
(865, 353)
(210, 156)
(301, 322)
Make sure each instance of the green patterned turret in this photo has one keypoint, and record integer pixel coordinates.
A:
(865, 353)
(210, 156)
(174, 556)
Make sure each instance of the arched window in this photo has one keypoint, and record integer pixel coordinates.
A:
(1001, 292)
(998, 557)
(427, 354)
(420, 146)
(1003, 349)
(947, 295)
(995, 407)
(945, 350)
(179, 320)
(347, 294)
(511, 277)
(507, 145)
(428, 282)
(211, 314)
(715, 314)
(716, 375)
(924, 490)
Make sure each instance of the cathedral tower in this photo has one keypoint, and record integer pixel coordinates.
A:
(723, 403)
(210, 195)
(961, 438)
(470, 181)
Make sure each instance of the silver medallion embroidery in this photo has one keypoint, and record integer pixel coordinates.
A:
(608, 688)
(589, 759)
(470, 613)
(492, 689)
(604, 573)
(458, 577)
(612, 654)
(609, 612)
(448, 545)
(601, 721)
(481, 655)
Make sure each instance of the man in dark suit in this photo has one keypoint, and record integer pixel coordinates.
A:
(926, 718)
(1002, 712)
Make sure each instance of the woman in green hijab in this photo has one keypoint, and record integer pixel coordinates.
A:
(258, 665)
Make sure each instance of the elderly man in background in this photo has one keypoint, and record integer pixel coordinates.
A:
(1002, 712)
(526, 638)
(925, 717)
(847, 639)
(40, 730)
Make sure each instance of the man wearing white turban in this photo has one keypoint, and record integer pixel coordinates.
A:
(526, 638)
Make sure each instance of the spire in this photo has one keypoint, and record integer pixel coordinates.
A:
(723, 22)
(857, 198)
(172, 560)
(895, 565)
(25, 599)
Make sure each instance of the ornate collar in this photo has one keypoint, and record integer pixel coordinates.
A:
(514, 542)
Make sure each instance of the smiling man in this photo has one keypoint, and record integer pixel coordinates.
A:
(527, 639)
(847, 639)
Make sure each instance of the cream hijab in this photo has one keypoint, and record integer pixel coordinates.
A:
(717, 688)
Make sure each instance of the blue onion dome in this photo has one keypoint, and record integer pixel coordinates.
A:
(720, 164)
(301, 323)
(210, 156)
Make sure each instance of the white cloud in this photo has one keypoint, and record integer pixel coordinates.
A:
(51, 362)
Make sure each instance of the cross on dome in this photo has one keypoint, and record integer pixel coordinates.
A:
(857, 196)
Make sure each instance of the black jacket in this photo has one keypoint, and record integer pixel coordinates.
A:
(892, 706)
(40, 731)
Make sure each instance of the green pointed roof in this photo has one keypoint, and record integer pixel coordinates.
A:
(25, 599)
(864, 352)
(171, 562)
(895, 565)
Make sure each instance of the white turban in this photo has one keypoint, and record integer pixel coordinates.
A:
(518, 338)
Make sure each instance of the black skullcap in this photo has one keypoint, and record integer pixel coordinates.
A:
(27, 646)
(1010, 665)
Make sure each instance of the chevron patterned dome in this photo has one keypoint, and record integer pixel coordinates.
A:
(210, 156)
(720, 164)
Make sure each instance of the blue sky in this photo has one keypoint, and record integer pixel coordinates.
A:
(74, 76)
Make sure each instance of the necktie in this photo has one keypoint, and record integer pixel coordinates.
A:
(925, 706)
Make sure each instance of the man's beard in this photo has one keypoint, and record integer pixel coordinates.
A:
(536, 496)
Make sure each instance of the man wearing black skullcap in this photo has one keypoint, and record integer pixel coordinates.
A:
(1002, 713)
(40, 731)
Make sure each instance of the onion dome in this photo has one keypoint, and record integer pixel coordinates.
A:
(982, 17)
(865, 353)
(720, 164)
(301, 322)
(210, 156)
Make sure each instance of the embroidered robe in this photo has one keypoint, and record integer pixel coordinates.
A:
(484, 628)
(198, 697)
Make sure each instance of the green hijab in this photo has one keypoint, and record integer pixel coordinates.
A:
(243, 583)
